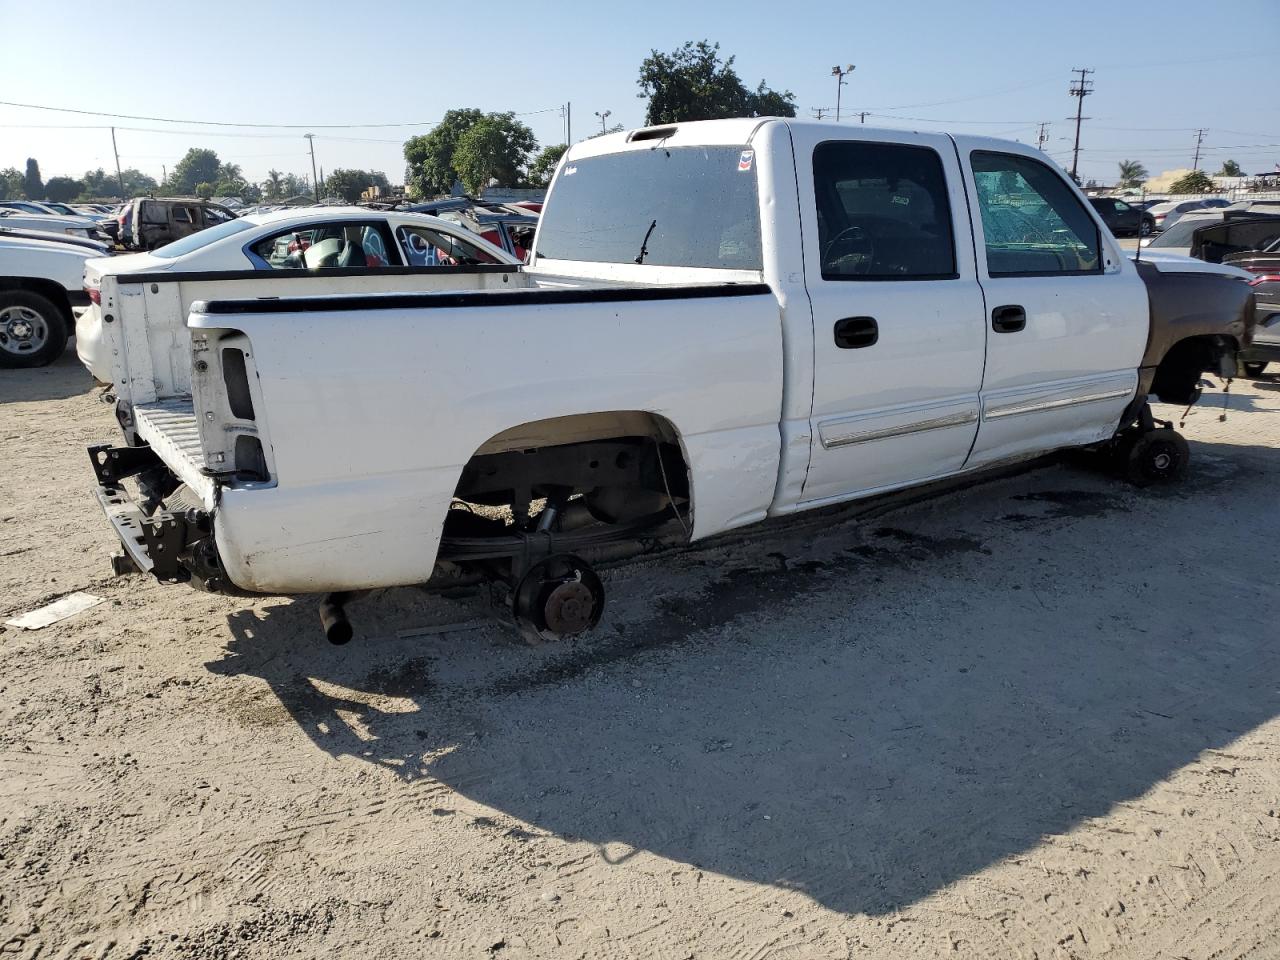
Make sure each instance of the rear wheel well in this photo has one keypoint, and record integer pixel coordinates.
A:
(1177, 377)
(609, 458)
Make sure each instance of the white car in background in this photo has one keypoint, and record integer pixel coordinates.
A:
(1168, 212)
(313, 251)
(50, 223)
(40, 283)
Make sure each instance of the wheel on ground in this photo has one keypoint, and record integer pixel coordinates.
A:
(1254, 368)
(1145, 229)
(33, 329)
(1157, 456)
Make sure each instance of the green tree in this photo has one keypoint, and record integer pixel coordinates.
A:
(1230, 169)
(1197, 181)
(544, 165)
(430, 156)
(693, 83)
(62, 189)
(199, 165)
(10, 184)
(32, 185)
(1132, 173)
(99, 184)
(273, 185)
(495, 148)
(349, 184)
(204, 190)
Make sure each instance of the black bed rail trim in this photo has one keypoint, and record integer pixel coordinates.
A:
(498, 298)
(327, 272)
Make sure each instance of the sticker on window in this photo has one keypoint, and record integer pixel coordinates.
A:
(901, 200)
(570, 171)
(744, 161)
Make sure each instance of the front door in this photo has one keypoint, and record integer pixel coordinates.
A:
(1067, 314)
(897, 311)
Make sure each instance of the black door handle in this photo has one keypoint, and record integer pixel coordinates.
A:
(1008, 319)
(854, 332)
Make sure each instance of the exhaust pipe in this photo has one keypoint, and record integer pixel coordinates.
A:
(333, 618)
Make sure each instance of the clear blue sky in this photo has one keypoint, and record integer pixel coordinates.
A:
(1163, 69)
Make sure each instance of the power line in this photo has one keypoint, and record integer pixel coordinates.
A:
(268, 126)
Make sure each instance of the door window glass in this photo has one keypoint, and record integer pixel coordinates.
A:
(1034, 223)
(883, 213)
(181, 215)
(324, 246)
(425, 247)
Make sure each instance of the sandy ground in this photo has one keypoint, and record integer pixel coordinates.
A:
(1039, 717)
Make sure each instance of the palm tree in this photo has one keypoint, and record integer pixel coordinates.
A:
(1230, 169)
(1132, 173)
(271, 186)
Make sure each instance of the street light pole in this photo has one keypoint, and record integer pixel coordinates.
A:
(315, 182)
(840, 74)
(603, 117)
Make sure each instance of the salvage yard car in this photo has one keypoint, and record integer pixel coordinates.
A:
(40, 282)
(318, 250)
(149, 222)
(721, 322)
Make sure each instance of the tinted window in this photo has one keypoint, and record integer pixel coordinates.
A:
(671, 206)
(1034, 223)
(883, 213)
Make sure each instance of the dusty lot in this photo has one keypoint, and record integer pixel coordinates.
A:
(1035, 718)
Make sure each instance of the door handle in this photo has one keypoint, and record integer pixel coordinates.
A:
(1008, 319)
(854, 332)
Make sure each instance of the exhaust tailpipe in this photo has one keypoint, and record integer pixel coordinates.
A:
(333, 618)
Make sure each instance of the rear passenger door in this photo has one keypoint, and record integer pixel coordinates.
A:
(1066, 313)
(897, 310)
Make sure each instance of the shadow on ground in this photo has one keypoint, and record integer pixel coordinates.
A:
(866, 714)
(65, 377)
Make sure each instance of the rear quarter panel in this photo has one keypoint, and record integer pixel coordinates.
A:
(372, 414)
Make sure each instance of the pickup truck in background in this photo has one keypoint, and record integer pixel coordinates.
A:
(720, 322)
(40, 283)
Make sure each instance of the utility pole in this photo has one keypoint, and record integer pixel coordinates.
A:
(315, 181)
(1079, 89)
(1043, 136)
(840, 74)
(566, 114)
(1195, 164)
(819, 111)
(603, 117)
(862, 116)
(119, 175)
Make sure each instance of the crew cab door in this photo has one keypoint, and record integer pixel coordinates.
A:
(897, 310)
(1066, 313)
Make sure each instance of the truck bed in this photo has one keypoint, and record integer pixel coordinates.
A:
(170, 427)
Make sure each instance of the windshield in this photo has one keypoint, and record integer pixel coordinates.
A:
(1179, 235)
(202, 239)
(667, 206)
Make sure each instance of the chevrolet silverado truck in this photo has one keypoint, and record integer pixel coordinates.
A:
(720, 322)
(40, 283)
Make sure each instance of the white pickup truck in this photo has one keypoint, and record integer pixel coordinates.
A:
(721, 322)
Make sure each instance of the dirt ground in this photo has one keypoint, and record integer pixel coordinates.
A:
(1039, 717)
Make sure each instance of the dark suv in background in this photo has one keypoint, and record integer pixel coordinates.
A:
(1122, 219)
